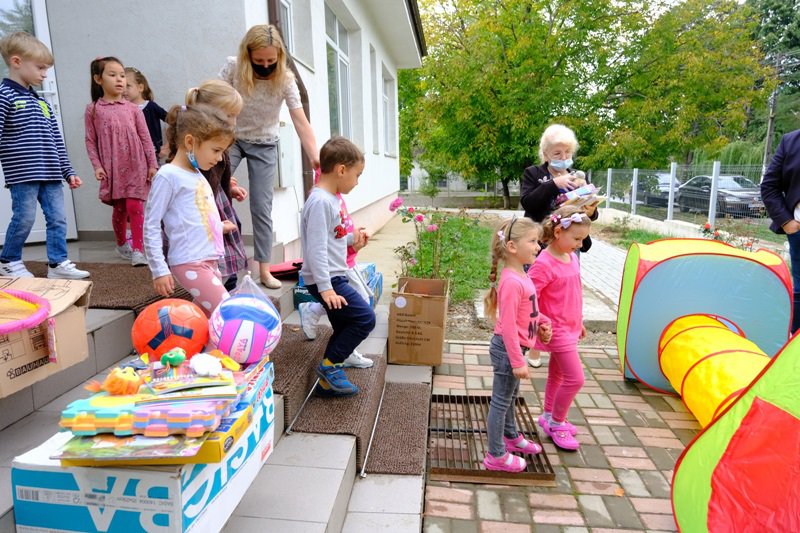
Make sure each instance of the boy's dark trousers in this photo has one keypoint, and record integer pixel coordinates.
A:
(351, 324)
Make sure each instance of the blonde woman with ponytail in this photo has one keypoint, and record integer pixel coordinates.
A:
(261, 76)
(511, 304)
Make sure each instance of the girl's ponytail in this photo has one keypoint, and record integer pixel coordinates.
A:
(498, 250)
(191, 95)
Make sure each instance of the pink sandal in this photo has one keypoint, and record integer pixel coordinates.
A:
(544, 423)
(506, 463)
(522, 445)
(562, 437)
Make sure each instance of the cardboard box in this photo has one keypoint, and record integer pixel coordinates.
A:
(417, 321)
(32, 355)
(163, 499)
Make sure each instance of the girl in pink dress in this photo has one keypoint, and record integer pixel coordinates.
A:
(121, 153)
(512, 305)
(557, 277)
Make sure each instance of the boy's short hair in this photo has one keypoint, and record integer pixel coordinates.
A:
(339, 151)
(26, 46)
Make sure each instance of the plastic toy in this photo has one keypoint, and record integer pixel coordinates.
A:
(169, 324)
(21, 310)
(124, 416)
(174, 357)
(709, 321)
(121, 381)
(245, 327)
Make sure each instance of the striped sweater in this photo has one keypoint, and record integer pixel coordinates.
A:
(31, 147)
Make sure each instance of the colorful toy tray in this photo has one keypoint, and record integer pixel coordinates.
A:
(124, 416)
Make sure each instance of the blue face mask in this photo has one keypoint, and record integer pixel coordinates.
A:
(560, 164)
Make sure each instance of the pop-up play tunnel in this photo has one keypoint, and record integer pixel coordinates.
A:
(708, 363)
(665, 280)
(710, 322)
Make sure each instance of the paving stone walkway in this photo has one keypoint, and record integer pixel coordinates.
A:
(619, 480)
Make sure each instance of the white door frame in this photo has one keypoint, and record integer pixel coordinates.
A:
(50, 93)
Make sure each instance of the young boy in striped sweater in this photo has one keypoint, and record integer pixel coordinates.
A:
(34, 159)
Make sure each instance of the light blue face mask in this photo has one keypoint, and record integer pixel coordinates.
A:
(560, 164)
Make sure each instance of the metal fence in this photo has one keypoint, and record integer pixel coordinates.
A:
(724, 196)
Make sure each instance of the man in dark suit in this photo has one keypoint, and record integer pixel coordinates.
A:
(780, 190)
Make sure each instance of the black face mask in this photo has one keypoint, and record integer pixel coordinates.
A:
(263, 71)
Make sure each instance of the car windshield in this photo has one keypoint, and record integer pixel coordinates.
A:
(736, 182)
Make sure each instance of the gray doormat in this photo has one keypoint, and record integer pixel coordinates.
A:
(458, 443)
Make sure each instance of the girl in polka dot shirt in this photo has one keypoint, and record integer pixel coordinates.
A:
(181, 201)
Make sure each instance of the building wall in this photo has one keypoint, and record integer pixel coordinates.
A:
(172, 44)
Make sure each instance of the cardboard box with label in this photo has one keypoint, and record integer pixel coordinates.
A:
(164, 499)
(417, 320)
(32, 355)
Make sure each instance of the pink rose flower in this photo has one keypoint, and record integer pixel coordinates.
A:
(397, 202)
(432, 227)
(419, 218)
(412, 261)
(410, 209)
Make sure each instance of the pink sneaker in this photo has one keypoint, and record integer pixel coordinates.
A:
(545, 425)
(506, 463)
(522, 445)
(562, 437)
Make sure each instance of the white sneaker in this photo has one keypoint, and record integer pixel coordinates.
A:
(535, 363)
(310, 313)
(138, 259)
(125, 251)
(356, 360)
(66, 270)
(14, 269)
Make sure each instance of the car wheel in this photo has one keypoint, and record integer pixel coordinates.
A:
(684, 208)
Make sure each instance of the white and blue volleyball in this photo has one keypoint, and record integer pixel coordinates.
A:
(245, 328)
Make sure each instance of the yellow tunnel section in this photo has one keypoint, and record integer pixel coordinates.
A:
(708, 363)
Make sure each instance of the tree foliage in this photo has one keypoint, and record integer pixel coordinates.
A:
(639, 81)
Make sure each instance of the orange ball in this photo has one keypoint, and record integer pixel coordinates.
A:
(168, 324)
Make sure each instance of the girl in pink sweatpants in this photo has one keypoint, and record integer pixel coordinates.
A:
(557, 278)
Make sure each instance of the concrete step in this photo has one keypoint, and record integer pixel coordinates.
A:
(304, 486)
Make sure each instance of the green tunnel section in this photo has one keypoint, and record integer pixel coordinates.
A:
(716, 487)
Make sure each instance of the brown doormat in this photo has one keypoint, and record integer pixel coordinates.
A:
(401, 438)
(458, 443)
(351, 415)
(295, 359)
(116, 285)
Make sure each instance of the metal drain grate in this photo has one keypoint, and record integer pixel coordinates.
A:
(458, 443)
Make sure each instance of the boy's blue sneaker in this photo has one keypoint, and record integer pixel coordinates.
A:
(324, 390)
(336, 378)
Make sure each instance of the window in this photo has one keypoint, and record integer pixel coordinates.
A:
(389, 115)
(338, 75)
(373, 78)
(287, 25)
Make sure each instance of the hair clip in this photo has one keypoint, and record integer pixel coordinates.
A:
(555, 218)
(501, 235)
(183, 108)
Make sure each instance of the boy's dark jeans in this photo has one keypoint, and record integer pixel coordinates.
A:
(351, 324)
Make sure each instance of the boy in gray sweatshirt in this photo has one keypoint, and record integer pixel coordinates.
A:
(323, 239)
